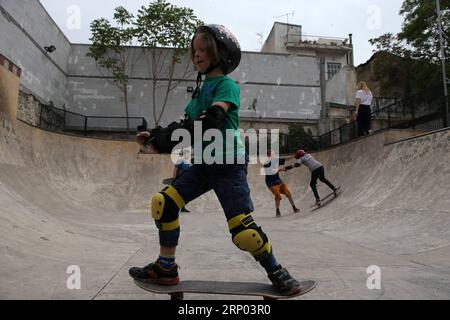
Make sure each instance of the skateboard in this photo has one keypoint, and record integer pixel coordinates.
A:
(167, 181)
(223, 287)
(328, 196)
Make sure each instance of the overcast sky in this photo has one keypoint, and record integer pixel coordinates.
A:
(365, 19)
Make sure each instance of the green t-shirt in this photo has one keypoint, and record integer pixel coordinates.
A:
(223, 89)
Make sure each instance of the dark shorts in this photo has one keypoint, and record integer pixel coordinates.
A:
(229, 182)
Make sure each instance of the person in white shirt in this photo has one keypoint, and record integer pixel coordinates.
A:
(274, 182)
(363, 112)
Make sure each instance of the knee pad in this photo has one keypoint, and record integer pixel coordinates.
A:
(165, 209)
(248, 236)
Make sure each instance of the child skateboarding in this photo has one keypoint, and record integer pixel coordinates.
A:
(317, 172)
(274, 182)
(215, 53)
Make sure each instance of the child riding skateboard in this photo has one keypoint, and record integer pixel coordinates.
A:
(317, 172)
(215, 52)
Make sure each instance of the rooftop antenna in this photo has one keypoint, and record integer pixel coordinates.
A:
(287, 16)
(287, 22)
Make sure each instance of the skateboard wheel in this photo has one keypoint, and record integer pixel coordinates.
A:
(177, 296)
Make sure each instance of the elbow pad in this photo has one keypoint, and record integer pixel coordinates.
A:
(213, 118)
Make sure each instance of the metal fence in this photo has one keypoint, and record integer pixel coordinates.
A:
(410, 113)
(61, 120)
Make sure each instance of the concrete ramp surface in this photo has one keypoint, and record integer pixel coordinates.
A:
(70, 204)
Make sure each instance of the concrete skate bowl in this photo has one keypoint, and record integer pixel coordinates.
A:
(69, 201)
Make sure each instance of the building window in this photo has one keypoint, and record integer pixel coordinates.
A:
(333, 68)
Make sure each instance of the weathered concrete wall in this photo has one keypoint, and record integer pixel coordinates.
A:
(28, 109)
(336, 58)
(278, 36)
(276, 87)
(341, 89)
(280, 87)
(26, 29)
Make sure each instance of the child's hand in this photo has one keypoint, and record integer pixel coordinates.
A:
(141, 137)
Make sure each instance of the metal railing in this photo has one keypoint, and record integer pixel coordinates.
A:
(301, 38)
(289, 145)
(61, 120)
(415, 112)
(409, 113)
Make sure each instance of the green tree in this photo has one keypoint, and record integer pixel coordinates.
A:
(299, 138)
(161, 25)
(109, 50)
(419, 37)
(418, 42)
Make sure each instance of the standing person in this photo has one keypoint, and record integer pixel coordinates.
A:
(317, 172)
(363, 112)
(215, 53)
(181, 165)
(274, 182)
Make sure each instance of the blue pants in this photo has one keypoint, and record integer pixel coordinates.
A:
(229, 182)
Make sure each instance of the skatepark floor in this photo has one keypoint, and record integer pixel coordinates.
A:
(69, 201)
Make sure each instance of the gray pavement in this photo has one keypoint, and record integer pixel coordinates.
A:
(69, 201)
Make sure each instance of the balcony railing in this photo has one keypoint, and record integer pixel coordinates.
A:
(295, 39)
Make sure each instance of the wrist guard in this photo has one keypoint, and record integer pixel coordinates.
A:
(161, 138)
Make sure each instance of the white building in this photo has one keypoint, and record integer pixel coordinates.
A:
(337, 72)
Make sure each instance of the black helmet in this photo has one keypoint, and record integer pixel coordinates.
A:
(227, 44)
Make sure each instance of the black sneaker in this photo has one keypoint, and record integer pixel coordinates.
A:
(284, 283)
(296, 210)
(278, 213)
(155, 273)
